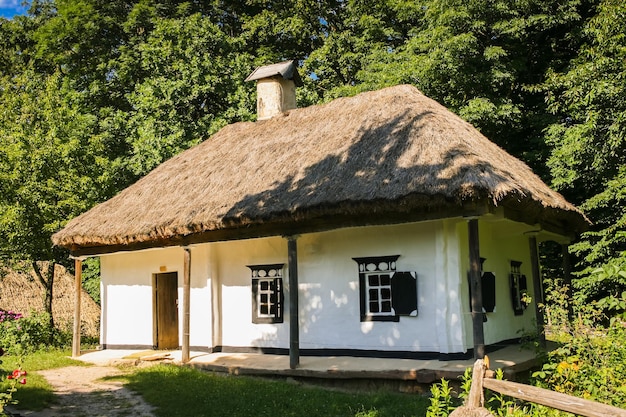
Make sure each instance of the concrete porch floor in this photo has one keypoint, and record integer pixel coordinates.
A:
(512, 359)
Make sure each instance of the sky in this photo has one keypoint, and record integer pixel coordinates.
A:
(9, 8)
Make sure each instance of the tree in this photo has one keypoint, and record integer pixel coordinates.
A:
(115, 88)
(50, 169)
(192, 85)
(480, 59)
(588, 142)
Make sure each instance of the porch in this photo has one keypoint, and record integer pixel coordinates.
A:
(408, 375)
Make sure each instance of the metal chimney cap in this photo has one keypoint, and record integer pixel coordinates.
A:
(286, 69)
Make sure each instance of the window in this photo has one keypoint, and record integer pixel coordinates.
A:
(378, 295)
(385, 293)
(519, 288)
(267, 293)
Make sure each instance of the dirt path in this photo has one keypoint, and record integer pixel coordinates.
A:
(81, 392)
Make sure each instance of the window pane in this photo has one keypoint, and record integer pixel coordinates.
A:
(385, 293)
(373, 281)
(386, 306)
(373, 294)
(265, 285)
(374, 307)
(385, 279)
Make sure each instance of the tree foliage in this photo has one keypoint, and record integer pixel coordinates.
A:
(51, 168)
(94, 94)
(588, 143)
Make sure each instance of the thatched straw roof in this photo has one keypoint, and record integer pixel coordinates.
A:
(386, 156)
(21, 292)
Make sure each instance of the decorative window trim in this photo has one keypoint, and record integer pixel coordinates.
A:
(267, 293)
(391, 293)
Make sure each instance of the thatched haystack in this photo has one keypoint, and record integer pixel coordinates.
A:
(381, 156)
(22, 293)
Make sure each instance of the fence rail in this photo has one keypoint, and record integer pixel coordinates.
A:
(475, 400)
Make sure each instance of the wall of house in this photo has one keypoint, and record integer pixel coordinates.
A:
(127, 299)
(329, 289)
(501, 241)
(233, 279)
(221, 295)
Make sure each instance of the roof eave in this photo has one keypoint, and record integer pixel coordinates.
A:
(287, 226)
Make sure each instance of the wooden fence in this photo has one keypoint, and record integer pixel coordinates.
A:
(481, 379)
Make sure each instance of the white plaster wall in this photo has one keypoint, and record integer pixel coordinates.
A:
(235, 287)
(501, 241)
(221, 305)
(329, 289)
(274, 96)
(127, 295)
(200, 312)
(449, 290)
(329, 303)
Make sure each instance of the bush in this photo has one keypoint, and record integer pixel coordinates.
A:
(23, 335)
(591, 365)
(442, 403)
(91, 278)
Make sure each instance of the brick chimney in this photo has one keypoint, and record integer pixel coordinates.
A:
(275, 88)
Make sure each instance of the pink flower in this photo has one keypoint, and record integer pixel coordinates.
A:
(23, 381)
(16, 373)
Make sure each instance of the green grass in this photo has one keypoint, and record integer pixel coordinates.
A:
(37, 393)
(181, 391)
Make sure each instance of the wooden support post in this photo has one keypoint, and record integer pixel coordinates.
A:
(567, 280)
(476, 290)
(537, 289)
(294, 329)
(186, 301)
(78, 277)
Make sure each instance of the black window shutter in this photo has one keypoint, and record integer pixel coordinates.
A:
(404, 293)
(489, 291)
(255, 307)
(362, 297)
(519, 288)
(523, 287)
(278, 299)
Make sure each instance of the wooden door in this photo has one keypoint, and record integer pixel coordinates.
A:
(165, 307)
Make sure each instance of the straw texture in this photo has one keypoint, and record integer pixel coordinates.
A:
(391, 150)
(21, 292)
